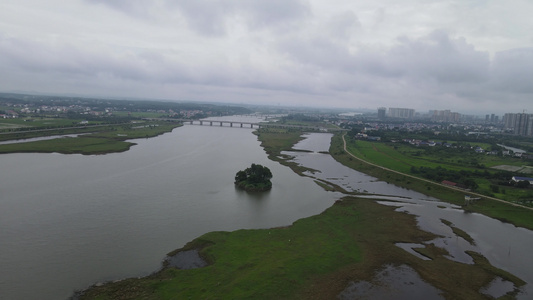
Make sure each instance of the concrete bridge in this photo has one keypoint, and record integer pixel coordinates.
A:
(221, 123)
(242, 124)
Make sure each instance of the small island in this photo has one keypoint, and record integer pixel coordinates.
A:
(254, 179)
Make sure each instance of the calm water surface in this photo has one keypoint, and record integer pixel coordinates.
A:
(505, 246)
(68, 221)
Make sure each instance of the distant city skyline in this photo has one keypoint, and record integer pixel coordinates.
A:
(465, 56)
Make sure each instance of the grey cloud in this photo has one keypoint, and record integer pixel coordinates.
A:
(434, 57)
(136, 8)
(379, 16)
(319, 52)
(274, 12)
(60, 62)
(343, 25)
(513, 70)
(206, 17)
(211, 17)
(441, 58)
(67, 60)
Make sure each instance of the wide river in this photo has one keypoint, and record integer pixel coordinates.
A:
(69, 221)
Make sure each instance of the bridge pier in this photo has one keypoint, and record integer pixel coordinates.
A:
(241, 125)
(230, 124)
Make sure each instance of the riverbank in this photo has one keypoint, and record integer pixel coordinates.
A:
(501, 210)
(315, 258)
(107, 139)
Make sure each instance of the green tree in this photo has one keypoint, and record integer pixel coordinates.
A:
(256, 177)
(258, 174)
(522, 184)
(240, 176)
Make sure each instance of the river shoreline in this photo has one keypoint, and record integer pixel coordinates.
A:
(374, 261)
(504, 211)
(376, 243)
(112, 139)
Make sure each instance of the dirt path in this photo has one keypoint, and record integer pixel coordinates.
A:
(429, 181)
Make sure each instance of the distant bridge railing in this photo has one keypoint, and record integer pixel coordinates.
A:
(241, 124)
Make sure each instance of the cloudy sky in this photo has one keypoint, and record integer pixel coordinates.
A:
(463, 55)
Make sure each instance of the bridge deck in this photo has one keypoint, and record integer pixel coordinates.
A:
(243, 123)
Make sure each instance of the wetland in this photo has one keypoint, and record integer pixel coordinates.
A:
(108, 217)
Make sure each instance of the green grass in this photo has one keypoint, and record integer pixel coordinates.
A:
(271, 263)
(402, 157)
(459, 232)
(316, 258)
(83, 145)
(140, 114)
(39, 123)
(275, 141)
(109, 139)
(516, 215)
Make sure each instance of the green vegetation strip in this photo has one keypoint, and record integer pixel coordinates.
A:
(459, 232)
(107, 140)
(275, 141)
(460, 165)
(506, 212)
(315, 258)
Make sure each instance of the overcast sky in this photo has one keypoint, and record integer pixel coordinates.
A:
(462, 55)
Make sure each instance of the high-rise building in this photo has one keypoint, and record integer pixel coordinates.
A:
(522, 124)
(381, 112)
(509, 120)
(445, 116)
(402, 113)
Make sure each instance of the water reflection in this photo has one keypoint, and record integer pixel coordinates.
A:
(504, 245)
(392, 283)
(409, 247)
(106, 217)
(43, 138)
(497, 288)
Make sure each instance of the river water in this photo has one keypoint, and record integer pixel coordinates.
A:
(68, 221)
(504, 245)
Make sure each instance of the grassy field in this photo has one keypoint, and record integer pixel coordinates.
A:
(276, 140)
(502, 211)
(38, 122)
(139, 114)
(402, 158)
(315, 258)
(108, 139)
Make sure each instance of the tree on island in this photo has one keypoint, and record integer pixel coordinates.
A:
(254, 178)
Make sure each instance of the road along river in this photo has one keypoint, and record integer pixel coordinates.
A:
(68, 221)
(504, 245)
